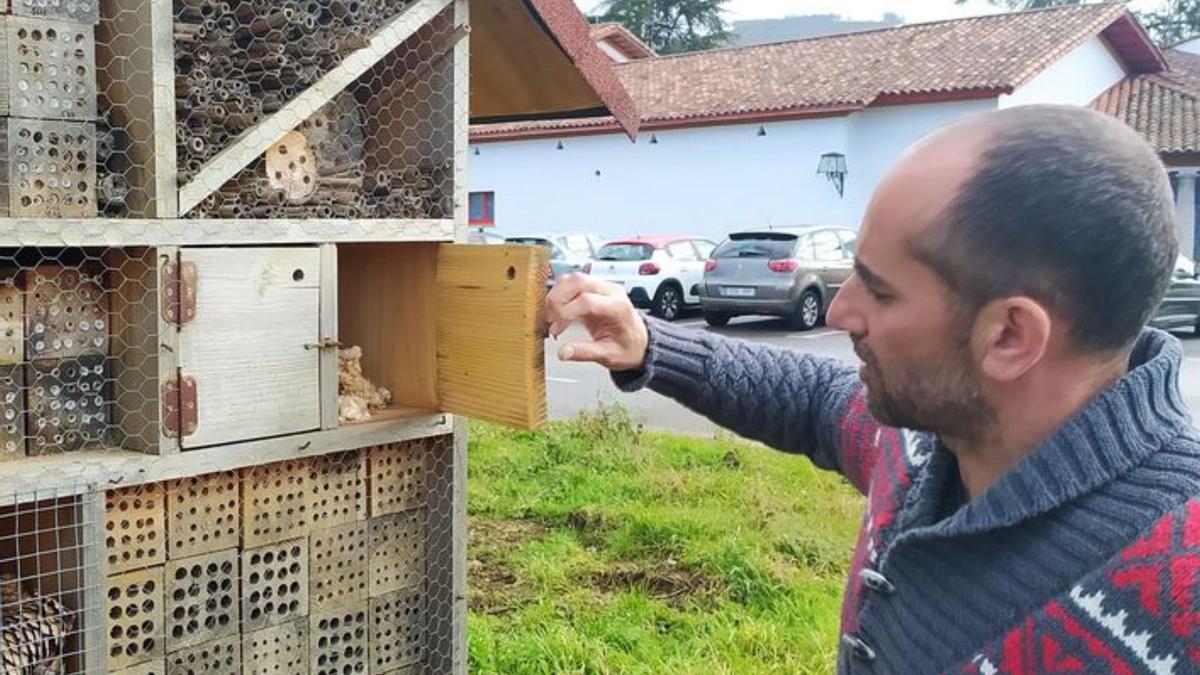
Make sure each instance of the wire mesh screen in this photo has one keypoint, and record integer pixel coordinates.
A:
(368, 593)
(49, 584)
(382, 147)
(78, 348)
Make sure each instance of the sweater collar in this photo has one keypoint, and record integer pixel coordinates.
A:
(1120, 427)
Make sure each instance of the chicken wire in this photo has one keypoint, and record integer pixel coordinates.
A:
(371, 595)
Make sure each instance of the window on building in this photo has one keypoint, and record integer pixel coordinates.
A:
(482, 210)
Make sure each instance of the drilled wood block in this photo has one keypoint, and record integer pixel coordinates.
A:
(397, 551)
(49, 69)
(47, 168)
(400, 475)
(12, 412)
(219, 657)
(66, 312)
(149, 668)
(338, 572)
(204, 514)
(12, 320)
(274, 584)
(86, 11)
(69, 404)
(135, 618)
(397, 630)
(136, 528)
(275, 502)
(277, 650)
(337, 489)
(202, 599)
(337, 642)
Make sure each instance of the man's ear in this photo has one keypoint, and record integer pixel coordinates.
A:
(1010, 336)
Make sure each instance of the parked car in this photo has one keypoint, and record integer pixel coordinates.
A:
(481, 236)
(569, 252)
(1180, 309)
(792, 272)
(659, 273)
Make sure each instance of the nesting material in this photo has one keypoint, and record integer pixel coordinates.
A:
(357, 396)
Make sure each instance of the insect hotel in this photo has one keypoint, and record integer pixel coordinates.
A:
(237, 337)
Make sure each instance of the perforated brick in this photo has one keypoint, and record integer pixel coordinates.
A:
(338, 573)
(400, 475)
(397, 630)
(49, 69)
(136, 534)
(47, 168)
(275, 502)
(204, 514)
(87, 11)
(135, 618)
(397, 551)
(338, 642)
(274, 584)
(337, 489)
(219, 657)
(278, 650)
(66, 312)
(69, 404)
(202, 599)
(12, 412)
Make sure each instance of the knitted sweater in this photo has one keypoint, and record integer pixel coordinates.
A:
(1084, 558)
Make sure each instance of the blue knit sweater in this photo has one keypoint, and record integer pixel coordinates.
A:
(1084, 558)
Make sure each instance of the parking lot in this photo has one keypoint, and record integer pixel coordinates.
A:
(573, 387)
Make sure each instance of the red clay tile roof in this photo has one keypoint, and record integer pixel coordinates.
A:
(1164, 107)
(963, 58)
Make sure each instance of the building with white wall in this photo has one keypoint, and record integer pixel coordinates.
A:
(732, 138)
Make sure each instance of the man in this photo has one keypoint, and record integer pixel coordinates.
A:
(1031, 470)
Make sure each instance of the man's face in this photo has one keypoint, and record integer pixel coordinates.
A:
(907, 326)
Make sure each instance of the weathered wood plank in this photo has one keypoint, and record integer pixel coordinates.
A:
(329, 332)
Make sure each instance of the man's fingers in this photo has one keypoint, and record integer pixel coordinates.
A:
(571, 287)
(596, 352)
(589, 306)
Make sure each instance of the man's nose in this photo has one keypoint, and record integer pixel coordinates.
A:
(844, 313)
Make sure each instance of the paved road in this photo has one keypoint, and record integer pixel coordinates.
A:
(574, 387)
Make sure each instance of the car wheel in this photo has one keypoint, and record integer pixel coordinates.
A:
(717, 319)
(808, 311)
(667, 302)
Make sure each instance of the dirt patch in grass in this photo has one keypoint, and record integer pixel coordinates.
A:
(671, 585)
(492, 586)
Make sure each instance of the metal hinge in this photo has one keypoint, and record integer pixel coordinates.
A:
(178, 292)
(179, 407)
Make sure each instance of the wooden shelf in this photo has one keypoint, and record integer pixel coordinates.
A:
(205, 232)
(390, 414)
(33, 478)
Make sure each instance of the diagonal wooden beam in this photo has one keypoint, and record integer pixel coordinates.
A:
(255, 141)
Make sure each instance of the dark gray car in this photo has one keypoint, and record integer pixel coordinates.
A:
(792, 272)
(1180, 309)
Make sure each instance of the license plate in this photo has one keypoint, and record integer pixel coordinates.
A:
(737, 292)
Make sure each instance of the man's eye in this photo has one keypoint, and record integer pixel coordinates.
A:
(879, 295)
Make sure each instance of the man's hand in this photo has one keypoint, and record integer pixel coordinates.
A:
(619, 336)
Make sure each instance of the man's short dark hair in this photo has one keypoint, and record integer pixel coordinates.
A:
(1070, 207)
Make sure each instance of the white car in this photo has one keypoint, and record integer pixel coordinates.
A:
(662, 274)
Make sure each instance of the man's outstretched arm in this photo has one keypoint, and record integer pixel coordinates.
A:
(791, 401)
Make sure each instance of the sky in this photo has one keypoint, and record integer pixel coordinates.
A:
(913, 11)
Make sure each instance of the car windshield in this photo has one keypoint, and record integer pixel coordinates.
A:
(619, 252)
(528, 240)
(757, 245)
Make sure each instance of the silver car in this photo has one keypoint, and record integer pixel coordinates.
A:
(569, 251)
(792, 272)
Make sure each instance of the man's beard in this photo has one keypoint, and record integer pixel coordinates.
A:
(943, 397)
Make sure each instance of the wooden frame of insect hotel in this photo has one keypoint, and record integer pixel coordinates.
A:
(238, 335)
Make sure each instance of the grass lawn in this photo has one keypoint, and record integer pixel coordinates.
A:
(596, 547)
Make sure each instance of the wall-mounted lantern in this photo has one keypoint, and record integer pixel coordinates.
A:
(833, 167)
